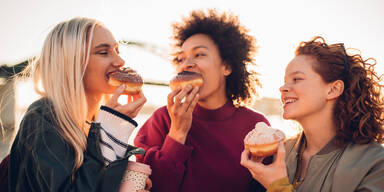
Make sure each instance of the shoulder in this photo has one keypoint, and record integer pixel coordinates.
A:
(42, 108)
(38, 122)
(369, 152)
(357, 163)
(158, 118)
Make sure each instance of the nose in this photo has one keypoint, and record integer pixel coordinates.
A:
(284, 88)
(186, 65)
(118, 61)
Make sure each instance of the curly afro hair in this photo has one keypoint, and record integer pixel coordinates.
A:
(236, 48)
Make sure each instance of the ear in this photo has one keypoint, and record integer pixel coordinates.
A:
(227, 69)
(336, 88)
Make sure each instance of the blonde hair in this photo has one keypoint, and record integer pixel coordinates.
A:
(58, 75)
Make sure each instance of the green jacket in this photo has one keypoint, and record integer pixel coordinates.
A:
(41, 160)
(355, 168)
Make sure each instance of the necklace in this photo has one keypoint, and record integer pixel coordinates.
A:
(298, 179)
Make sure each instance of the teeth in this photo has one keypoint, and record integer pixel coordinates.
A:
(289, 101)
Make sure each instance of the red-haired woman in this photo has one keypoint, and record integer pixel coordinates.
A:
(338, 100)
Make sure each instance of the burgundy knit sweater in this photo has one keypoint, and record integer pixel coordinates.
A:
(210, 158)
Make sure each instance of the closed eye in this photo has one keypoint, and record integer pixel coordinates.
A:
(102, 52)
(297, 79)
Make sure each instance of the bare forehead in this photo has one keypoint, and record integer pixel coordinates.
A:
(101, 35)
(198, 41)
(300, 64)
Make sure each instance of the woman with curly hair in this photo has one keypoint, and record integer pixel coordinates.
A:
(338, 100)
(195, 144)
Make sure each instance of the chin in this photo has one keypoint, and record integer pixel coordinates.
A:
(288, 116)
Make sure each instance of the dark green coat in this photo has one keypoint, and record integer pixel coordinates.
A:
(41, 160)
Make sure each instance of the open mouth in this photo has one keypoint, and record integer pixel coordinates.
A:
(287, 101)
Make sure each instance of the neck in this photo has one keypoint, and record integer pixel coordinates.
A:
(212, 103)
(93, 102)
(215, 100)
(319, 129)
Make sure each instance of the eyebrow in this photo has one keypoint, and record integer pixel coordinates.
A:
(103, 45)
(297, 72)
(200, 46)
(194, 48)
(294, 73)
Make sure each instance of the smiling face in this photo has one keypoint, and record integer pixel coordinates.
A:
(304, 92)
(200, 54)
(103, 59)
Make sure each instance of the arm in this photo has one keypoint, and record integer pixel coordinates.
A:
(374, 180)
(117, 124)
(116, 128)
(166, 156)
(41, 160)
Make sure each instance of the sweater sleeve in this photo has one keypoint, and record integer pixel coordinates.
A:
(166, 156)
(116, 128)
(41, 160)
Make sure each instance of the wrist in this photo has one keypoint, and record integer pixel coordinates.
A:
(180, 137)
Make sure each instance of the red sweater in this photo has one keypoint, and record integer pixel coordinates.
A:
(210, 158)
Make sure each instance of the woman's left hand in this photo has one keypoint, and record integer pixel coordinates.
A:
(133, 106)
(266, 174)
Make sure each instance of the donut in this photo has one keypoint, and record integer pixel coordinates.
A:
(186, 78)
(129, 77)
(263, 140)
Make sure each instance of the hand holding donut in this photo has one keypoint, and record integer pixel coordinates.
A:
(133, 106)
(265, 174)
(181, 112)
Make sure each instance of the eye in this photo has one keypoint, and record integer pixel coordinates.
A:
(102, 52)
(199, 54)
(297, 79)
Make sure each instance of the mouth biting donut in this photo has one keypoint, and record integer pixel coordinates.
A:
(132, 80)
(186, 78)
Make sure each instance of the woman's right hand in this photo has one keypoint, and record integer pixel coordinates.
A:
(181, 112)
(266, 174)
(133, 106)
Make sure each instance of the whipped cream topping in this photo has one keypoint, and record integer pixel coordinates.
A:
(263, 134)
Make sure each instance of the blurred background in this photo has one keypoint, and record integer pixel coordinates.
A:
(145, 28)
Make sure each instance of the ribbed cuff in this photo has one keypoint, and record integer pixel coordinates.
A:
(118, 114)
(175, 150)
(280, 185)
(116, 128)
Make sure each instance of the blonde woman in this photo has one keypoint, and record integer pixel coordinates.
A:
(57, 147)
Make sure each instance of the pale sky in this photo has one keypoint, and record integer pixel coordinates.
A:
(278, 25)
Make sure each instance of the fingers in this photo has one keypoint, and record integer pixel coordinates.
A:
(280, 157)
(192, 99)
(179, 97)
(170, 97)
(244, 157)
(112, 102)
(130, 108)
(248, 163)
(134, 113)
(148, 184)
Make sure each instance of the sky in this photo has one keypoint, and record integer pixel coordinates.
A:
(278, 25)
